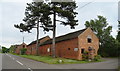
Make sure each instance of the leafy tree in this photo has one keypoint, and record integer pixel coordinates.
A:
(101, 28)
(110, 48)
(118, 36)
(23, 51)
(4, 49)
(36, 16)
(63, 10)
(12, 48)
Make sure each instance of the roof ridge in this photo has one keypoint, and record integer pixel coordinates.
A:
(38, 40)
(65, 37)
(72, 32)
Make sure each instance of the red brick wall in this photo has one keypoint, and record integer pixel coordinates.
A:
(79, 42)
(66, 49)
(43, 50)
(62, 49)
(31, 49)
(17, 51)
(83, 43)
(28, 52)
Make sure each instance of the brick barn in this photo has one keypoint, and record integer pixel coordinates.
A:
(72, 45)
(31, 48)
(19, 47)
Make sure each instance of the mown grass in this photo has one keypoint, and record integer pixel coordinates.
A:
(50, 60)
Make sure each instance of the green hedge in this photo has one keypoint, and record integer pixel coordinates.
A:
(23, 51)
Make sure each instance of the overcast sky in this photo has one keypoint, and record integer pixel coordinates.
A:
(12, 12)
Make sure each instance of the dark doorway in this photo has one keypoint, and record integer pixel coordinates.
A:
(82, 50)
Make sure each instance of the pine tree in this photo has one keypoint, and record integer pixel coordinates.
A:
(66, 11)
(39, 12)
(35, 17)
(118, 35)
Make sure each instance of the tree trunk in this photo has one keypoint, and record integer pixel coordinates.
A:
(37, 42)
(54, 33)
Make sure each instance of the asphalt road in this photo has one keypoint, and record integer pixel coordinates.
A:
(109, 63)
(15, 62)
(9, 62)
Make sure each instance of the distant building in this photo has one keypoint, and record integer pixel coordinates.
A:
(19, 47)
(72, 45)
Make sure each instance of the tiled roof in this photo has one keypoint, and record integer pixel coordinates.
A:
(64, 37)
(34, 42)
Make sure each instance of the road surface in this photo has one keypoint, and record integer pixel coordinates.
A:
(15, 62)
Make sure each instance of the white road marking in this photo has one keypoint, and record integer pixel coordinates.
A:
(19, 62)
(30, 69)
(9, 56)
(13, 58)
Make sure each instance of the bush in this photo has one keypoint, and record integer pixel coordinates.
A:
(5, 50)
(23, 51)
(97, 58)
(110, 48)
(85, 56)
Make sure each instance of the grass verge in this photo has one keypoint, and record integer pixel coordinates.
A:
(50, 60)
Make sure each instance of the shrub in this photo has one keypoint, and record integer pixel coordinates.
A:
(23, 51)
(97, 58)
(85, 56)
